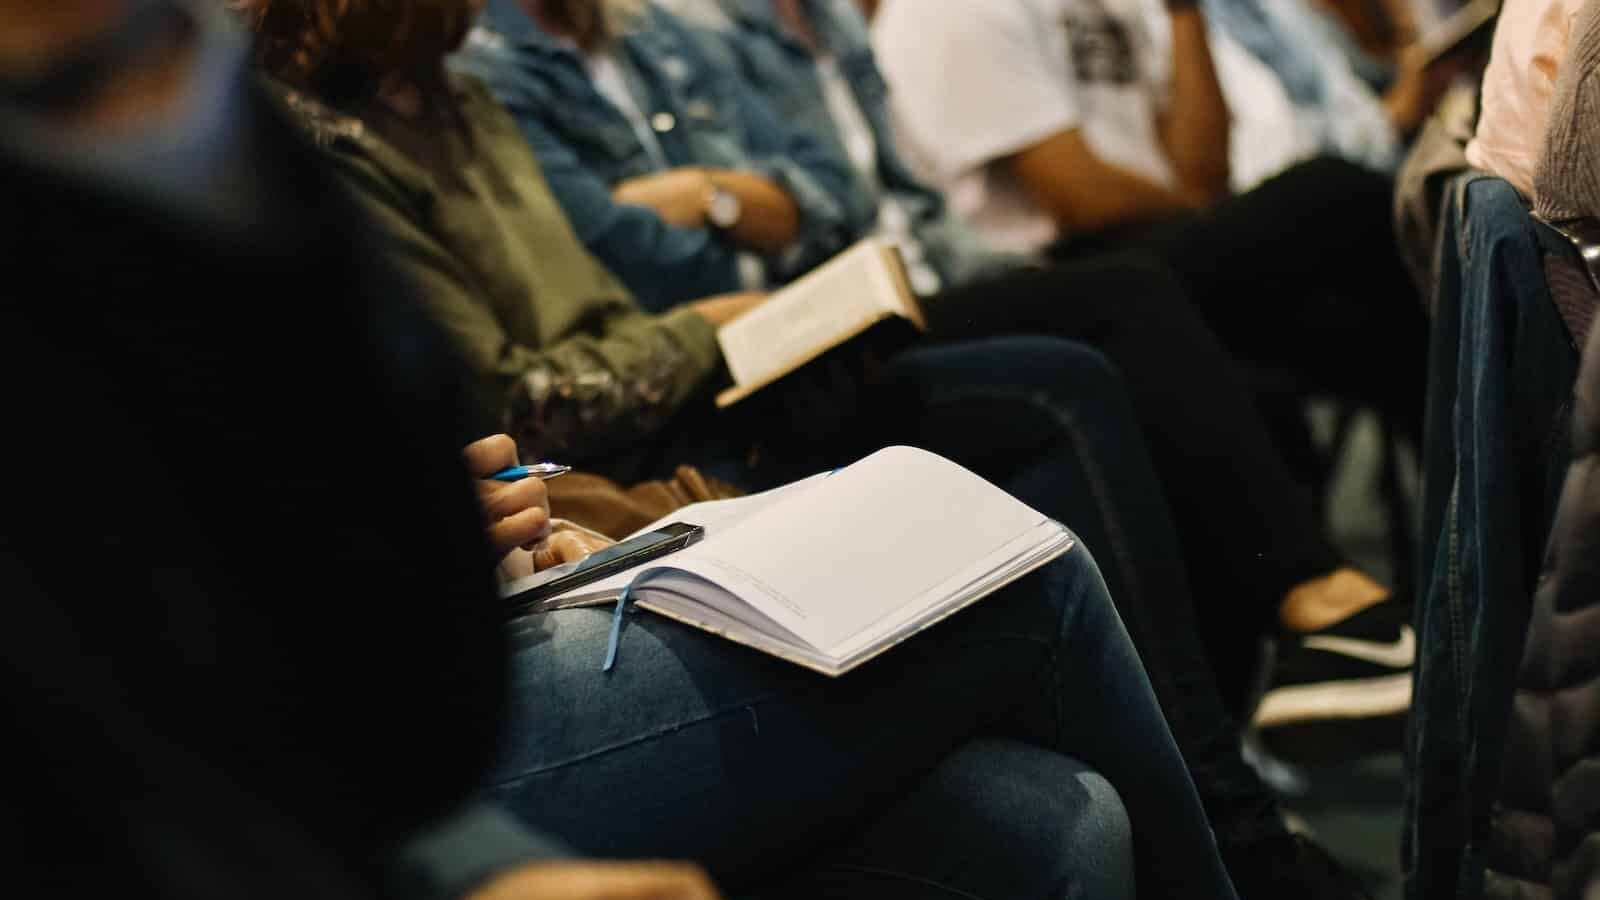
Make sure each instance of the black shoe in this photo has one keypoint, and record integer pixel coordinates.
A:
(1291, 867)
(1359, 668)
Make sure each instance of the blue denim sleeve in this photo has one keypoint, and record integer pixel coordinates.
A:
(464, 852)
(832, 213)
(662, 265)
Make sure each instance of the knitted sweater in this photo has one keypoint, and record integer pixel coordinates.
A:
(1566, 182)
(1567, 179)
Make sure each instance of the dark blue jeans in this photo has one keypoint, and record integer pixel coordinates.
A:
(944, 769)
(1495, 450)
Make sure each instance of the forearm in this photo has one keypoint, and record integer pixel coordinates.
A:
(769, 219)
(1120, 198)
(1084, 193)
(1194, 131)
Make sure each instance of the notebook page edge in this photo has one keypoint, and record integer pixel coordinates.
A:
(848, 664)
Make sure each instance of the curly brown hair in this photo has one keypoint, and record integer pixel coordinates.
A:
(349, 46)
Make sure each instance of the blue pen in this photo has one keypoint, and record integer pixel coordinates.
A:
(543, 471)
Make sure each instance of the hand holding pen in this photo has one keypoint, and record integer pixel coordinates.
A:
(513, 496)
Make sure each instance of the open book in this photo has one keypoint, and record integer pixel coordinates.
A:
(833, 570)
(832, 304)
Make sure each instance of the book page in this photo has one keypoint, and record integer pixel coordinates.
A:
(835, 564)
(837, 301)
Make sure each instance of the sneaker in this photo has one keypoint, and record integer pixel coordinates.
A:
(1291, 866)
(1359, 668)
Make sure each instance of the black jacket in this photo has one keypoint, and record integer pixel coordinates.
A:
(1545, 837)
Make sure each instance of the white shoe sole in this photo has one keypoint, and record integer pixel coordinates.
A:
(1366, 698)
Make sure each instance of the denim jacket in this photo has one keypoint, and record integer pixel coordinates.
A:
(701, 117)
(1496, 447)
(748, 36)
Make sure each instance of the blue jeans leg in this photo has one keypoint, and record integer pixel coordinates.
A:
(1068, 833)
(696, 748)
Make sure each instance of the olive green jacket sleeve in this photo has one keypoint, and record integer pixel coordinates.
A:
(585, 395)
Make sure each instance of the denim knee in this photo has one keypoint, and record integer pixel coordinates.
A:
(1097, 860)
(1059, 827)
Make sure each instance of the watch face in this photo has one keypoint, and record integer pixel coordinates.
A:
(724, 208)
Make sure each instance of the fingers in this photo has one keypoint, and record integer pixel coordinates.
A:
(502, 500)
(518, 513)
(489, 455)
(520, 530)
(564, 547)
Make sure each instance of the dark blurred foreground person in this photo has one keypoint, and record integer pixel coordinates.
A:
(232, 665)
(253, 646)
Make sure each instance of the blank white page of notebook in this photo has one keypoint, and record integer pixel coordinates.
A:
(831, 562)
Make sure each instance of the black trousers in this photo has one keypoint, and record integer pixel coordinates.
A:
(1249, 531)
(1226, 505)
(1300, 275)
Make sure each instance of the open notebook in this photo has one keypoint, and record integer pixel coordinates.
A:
(833, 570)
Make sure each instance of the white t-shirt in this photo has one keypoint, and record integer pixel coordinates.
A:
(975, 81)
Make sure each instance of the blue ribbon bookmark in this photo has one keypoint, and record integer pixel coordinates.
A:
(615, 640)
(624, 605)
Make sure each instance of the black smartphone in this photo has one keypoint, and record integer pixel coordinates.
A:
(613, 559)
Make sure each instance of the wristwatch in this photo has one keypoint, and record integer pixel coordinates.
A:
(723, 208)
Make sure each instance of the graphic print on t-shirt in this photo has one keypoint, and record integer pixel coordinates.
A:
(1101, 45)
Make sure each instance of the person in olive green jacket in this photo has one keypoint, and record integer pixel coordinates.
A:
(565, 360)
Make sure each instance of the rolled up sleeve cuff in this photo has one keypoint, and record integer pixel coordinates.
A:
(697, 337)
